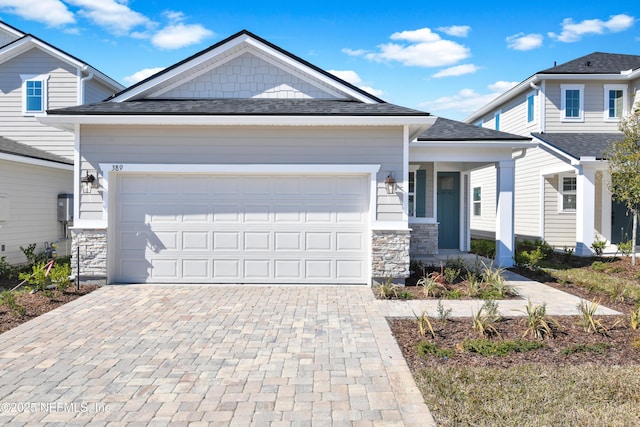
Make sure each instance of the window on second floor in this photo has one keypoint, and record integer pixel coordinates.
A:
(34, 94)
(615, 102)
(497, 120)
(568, 192)
(572, 100)
(531, 102)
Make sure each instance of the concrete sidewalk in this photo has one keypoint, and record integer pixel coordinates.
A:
(223, 356)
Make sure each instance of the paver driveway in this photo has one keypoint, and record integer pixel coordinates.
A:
(206, 355)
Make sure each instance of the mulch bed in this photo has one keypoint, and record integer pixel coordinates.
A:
(37, 304)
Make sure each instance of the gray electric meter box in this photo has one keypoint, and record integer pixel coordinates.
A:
(65, 207)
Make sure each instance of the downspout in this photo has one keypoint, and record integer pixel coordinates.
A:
(82, 84)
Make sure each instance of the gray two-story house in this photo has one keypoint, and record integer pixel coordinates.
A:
(572, 111)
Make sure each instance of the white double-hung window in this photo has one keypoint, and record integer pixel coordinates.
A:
(34, 94)
(615, 102)
(568, 193)
(572, 102)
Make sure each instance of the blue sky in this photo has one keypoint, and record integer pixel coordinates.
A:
(448, 58)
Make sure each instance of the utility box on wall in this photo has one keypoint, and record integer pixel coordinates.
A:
(65, 207)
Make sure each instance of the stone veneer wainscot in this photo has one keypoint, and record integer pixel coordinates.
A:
(390, 254)
(93, 253)
(424, 239)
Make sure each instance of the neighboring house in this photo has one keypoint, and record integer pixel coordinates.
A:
(572, 111)
(36, 158)
(247, 164)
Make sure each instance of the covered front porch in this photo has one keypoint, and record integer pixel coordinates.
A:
(440, 199)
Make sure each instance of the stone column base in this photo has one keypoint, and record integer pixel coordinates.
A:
(390, 255)
(424, 239)
(93, 254)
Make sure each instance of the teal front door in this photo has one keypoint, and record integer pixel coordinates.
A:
(448, 210)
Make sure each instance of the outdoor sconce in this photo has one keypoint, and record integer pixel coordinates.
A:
(390, 184)
(88, 183)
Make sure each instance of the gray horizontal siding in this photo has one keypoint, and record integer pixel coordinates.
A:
(259, 145)
(32, 194)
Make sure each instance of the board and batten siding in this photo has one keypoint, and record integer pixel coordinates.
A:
(249, 145)
(62, 92)
(559, 227)
(29, 202)
(593, 122)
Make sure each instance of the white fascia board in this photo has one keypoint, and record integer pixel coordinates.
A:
(35, 162)
(419, 122)
(516, 144)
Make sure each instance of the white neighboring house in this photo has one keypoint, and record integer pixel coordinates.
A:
(572, 111)
(246, 164)
(36, 159)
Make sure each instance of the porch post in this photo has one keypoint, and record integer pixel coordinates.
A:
(585, 209)
(504, 213)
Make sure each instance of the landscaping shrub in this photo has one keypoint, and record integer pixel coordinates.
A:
(485, 248)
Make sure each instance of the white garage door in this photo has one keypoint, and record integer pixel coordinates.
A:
(242, 229)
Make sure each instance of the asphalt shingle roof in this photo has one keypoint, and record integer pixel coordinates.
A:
(452, 130)
(240, 107)
(580, 144)
(596, 63)
(9, 146)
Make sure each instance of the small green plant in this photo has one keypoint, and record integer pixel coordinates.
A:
(473, 284)
(490, 348)
(598, 266)
(598, 246)
(625, 248)
(451, 274)
(494, 278)
(388, 290)
(38, 276)
(9, 298)
(424, 324)
(530, 259)
(6, 269)
(636, 343)
(430, 284)
(587, 311)
(598, 348)
(60, 276)
(485, 319)
(538, 324)
(567, 253)
(427, 348)
(31, 255)
(443, 313)
(452, 294)
(403, 293)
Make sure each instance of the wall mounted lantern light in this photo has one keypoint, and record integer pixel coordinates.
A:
(390, 184)
(88, 182)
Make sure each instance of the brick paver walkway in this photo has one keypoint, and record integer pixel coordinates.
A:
(224, 356)
(206, 355)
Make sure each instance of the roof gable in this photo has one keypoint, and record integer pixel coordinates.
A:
(9, 34)
(244, 66)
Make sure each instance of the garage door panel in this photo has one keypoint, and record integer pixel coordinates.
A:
(222, 229)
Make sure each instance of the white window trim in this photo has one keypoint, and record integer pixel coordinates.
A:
(412, 169)
(44, 78)
(535, 102)
(611, 87)
(563, 105)
(473, 202)
(561, 193)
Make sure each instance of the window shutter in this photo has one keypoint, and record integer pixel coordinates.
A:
(421, 187)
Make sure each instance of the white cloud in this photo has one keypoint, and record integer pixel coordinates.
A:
(141, 75)
(175, 36)
(573, 32)
(466, 101)
(456, 30)
(116, 17)
(421, 48)
(522, 41)
(458, 70)
(352, 77)
(53, 13)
